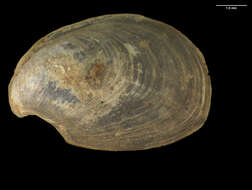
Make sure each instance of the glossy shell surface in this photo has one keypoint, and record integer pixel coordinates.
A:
(114, 82)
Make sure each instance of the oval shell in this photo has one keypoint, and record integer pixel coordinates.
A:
(115, 82)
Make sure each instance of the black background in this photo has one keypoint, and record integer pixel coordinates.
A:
(221, 145)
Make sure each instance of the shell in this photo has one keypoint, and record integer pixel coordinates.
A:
(114, 82)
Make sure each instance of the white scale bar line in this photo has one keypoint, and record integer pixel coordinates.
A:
(231, 5)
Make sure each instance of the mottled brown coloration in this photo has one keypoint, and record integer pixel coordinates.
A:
(115, 82)
(95, 73)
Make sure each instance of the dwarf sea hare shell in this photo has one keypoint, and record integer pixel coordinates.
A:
(114, 82)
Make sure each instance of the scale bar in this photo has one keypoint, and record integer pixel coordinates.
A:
(231, 5)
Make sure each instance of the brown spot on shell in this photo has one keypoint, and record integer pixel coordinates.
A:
(95, 73)
(144, 44)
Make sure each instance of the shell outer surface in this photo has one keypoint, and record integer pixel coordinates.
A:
(114, 82)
